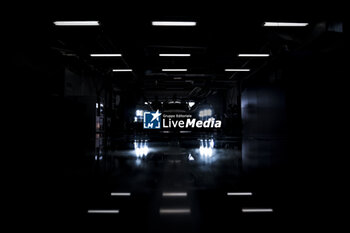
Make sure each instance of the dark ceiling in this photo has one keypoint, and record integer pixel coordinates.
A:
(213, 44)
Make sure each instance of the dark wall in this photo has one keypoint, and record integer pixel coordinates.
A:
(264, 112)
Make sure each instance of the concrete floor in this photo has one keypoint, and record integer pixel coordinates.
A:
(198, 187)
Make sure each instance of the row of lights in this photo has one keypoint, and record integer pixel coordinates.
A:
(206, 147)
(180, 55)
(141, 148)
(176, 23)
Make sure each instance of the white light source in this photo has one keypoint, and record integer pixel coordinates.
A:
(209, 112)
(173, 23)
(122, 70)
(205, 151)
(211, 143)
(253, 55)
(174, 55)
(284, 24)
(191, 104)
(139, 113)
(103, 211)
(237, 70)
(76, 23)
(256, 210)
(141, 148)
(121, 194)
(145, 150)
(174, 211)
(205, 113)
(106, 55)
(240, 194)
(174, 69)
(174, 194)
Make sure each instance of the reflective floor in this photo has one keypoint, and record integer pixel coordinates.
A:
(176, 187)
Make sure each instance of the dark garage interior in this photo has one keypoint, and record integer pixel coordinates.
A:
(90, 78)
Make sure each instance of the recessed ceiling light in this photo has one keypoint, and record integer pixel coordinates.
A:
(254, 55)
(245, 210)
(105, 55)
(174, 69)
(103, 211)
(173, 23)
(122, 70)
(174, 55)
(237, 70)
(239, 194)
(120, 194)
(174, 211)
(284, 24)
(76, 23)
(174, 194)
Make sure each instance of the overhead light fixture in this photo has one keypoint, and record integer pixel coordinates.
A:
(237, 70)
(120, 194)
(76, 23)
(174, 194)
(174, 69)
(253, 55)
(256, 210)
(174, 55)
(177, 78)
(103, 211)
(122, 70)
(174, 211)
(173, 23)
(105, 55)
(284, 24)
(240, 194)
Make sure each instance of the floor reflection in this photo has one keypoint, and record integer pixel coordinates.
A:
(181, 186)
